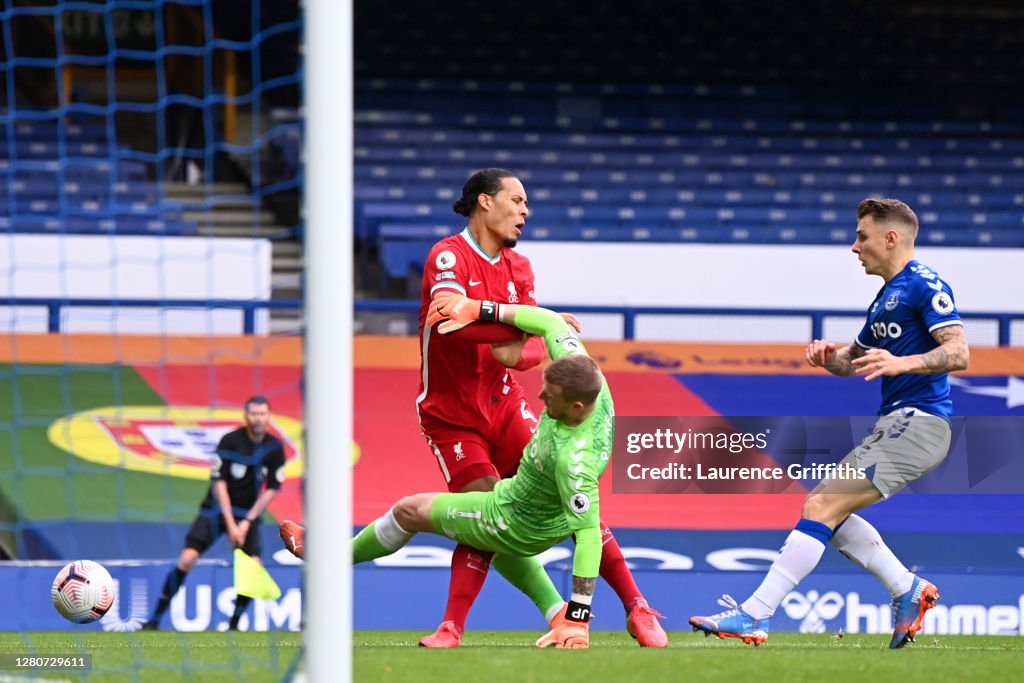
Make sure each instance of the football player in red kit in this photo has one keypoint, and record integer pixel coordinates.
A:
(473, 412)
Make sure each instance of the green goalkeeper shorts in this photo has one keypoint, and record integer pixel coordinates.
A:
(473, 518)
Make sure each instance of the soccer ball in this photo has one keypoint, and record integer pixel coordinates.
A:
(83, 591)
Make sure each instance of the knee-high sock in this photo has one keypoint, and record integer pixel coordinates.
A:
(469, 570)
(799, 555)
(862, 543)
(175, 578)
(381, 537)
(528, 575)
(616, 572)
(241, 603)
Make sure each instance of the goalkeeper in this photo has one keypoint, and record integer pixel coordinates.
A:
(554, 494)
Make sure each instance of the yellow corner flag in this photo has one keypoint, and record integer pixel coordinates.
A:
(252, 579)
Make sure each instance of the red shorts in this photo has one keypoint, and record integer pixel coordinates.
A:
(464, 454)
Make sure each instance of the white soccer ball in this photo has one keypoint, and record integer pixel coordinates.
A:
(83, 591)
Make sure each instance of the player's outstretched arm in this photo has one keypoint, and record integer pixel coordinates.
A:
(455, 311)
(528, 353)
(558, 333)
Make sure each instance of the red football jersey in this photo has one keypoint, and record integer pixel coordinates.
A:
(460, 382)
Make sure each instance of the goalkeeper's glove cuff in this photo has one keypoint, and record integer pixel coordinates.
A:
(489, 311)
(578, 611)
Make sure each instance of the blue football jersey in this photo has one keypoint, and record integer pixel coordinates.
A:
(905, 313)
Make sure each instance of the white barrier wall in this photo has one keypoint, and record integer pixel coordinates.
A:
(756, 276)
(105, 267)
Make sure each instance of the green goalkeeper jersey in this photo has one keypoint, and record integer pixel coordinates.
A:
(554, 493)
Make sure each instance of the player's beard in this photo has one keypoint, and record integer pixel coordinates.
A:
(511, 242)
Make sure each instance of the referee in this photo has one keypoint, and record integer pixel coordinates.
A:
(246, 459)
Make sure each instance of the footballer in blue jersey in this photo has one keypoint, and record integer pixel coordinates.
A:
(913, 338)
(909, 309)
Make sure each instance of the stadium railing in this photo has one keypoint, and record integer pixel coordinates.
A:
(629, 314)
(54, 306)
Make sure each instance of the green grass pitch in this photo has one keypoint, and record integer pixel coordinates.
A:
(510, 656)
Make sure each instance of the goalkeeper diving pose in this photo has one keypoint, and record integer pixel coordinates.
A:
(555, 492)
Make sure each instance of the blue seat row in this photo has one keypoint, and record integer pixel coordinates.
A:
(722, 125)
(430, 192)
(871, 181)
(403, 247)
(635, 98)
(803, 160)
(77, 169)
(877, 142)
(85, 190)
(715, 90)
(52, 149)
(48, 131)
(60, 176)
(379, 213)
(71, 207)
(424, 233)
(81, 225)
(591, 109)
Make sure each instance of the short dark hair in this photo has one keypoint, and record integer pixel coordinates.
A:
(578, 376)
(259, 400)
(487, 181)
(887, 211)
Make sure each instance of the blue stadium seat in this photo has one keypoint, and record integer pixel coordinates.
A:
(69, 177)
(416, 231)
(403, 247)
(373, 214)
(783, 172)
(80, 225)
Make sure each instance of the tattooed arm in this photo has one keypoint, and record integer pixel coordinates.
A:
(586, 563)
(823, 354)
(571, 626)
(951, 354)
(582, 585)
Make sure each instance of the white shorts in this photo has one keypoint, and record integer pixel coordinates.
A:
(904, 445)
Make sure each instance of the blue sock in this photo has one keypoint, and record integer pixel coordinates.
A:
(815, 530)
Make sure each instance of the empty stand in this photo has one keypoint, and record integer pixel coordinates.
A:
(686, 121)
(67, 179)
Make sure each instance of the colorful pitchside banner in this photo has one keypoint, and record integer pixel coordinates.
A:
(682, 573)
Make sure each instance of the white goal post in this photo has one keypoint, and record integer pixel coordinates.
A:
(328, 105)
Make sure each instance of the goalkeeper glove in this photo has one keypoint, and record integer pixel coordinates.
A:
(458, 311)
(566, 633)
